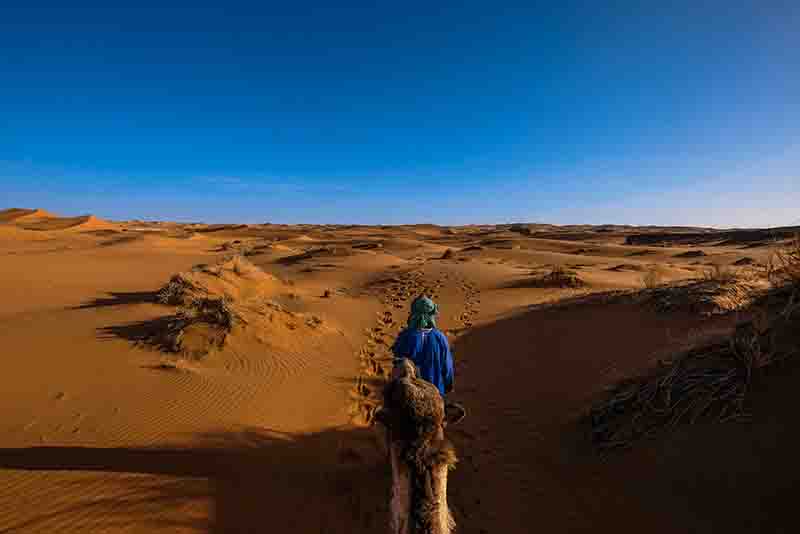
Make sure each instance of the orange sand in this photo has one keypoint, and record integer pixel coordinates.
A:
(101, 431)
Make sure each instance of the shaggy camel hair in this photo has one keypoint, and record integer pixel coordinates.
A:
(414, 415)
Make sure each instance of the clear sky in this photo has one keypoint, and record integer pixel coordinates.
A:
(641, 112)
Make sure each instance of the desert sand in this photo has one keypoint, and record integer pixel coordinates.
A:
(120, 414)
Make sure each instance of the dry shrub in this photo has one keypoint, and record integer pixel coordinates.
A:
(237, 247)
(784, 266)
(213, 311)
(731, 293)
(215, 301)
(707, 383)
(199, 326)
(175, 290)
(185, 286)
(448, 254)
(237, 264)
(205, 315)
(710, 382)
(651, 278)
(709, 296)
(561, 278)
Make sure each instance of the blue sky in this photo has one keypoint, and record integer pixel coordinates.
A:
(469, 112)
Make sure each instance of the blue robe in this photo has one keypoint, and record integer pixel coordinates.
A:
(430, 352)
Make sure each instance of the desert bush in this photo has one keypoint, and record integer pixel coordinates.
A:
(560, 277)
(175, 290)
(199, 326)
(213, 311)
(786, 263)
(708, 382)
(651, 278)
(448, 254)
(783, 270)
(705, 383)
(236, 263)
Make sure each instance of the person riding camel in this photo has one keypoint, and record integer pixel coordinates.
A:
(426, 346)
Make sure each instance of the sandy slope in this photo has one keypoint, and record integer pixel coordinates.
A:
(105, 432)
(23, 215)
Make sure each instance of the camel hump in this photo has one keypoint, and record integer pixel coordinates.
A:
(414, 407)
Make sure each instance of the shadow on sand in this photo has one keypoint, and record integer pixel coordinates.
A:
(119, 298)
(252, 480)
(527, 380)
(151, 333)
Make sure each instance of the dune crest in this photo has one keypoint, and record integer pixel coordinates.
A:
(44, 221)
(17, 215)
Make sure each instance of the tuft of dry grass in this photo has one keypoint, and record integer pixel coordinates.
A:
(787, 261)
(174, 291)
(651, 278)
(213, 311)
(708, 383)
(783, 271)
(560, 277)
(185, 286)
(205, 315)
(236, 263)
(199, 326)
(710, 296)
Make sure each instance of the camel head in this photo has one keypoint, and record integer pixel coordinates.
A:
(415, 417)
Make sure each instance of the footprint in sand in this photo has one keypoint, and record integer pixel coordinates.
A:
(375, 355)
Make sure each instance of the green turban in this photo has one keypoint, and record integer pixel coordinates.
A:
(423, 313)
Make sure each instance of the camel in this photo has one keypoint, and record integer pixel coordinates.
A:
(414, 415)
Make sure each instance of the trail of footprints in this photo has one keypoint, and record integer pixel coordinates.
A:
(396, 294)
(472, 299)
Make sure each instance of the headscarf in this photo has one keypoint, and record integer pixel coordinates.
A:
(423, 313)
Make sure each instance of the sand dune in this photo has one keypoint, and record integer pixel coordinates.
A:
(167, 377)
(18, 215)
(82, 223)
(20, 235)
(39, 219)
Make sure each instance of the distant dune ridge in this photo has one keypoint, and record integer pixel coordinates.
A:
(39, 219)
(23, 215)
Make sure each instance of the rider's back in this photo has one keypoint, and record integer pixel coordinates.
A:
(430, 352)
